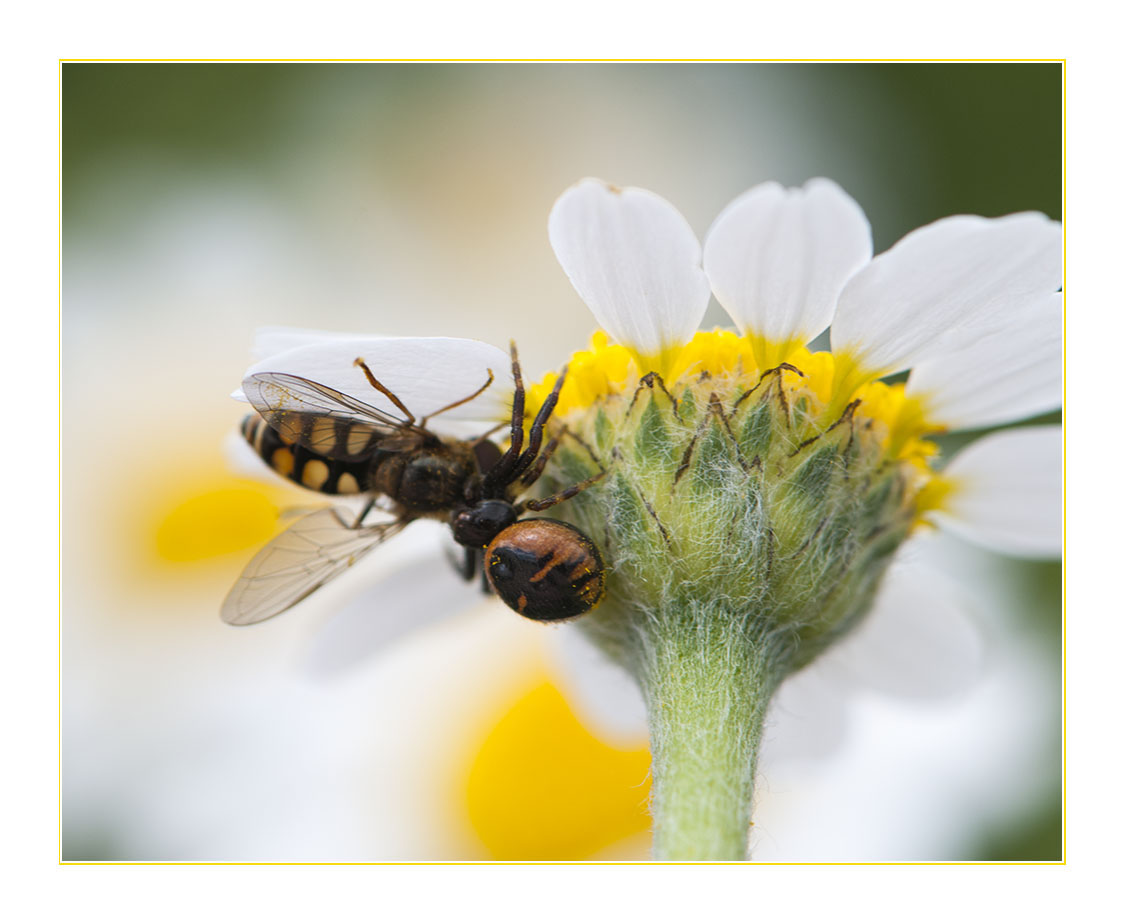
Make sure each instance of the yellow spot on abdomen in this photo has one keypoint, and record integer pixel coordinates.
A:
(347, 484)
(282, 461)
(314, 474)
(542, 787)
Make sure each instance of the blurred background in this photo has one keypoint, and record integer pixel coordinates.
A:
(201, 201)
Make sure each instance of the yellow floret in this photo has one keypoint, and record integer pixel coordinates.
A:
(606, 369)
(719, 353)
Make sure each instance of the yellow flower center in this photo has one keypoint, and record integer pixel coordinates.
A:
(216, 523)
(543, 787)
(729, 490)
(728, 360)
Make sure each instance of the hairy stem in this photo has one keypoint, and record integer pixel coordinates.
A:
(707, 678)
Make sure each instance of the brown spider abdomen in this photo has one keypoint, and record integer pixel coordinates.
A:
(545, 570)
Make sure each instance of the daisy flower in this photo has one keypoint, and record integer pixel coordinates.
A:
(754, 492)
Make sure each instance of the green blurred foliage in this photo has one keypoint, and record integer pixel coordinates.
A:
(996, 131)
(201, 112)
(993, 131)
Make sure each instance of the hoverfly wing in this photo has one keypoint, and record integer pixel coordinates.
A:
(296, 562)
(327, 421)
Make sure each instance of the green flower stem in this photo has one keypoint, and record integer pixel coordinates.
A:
(707, 676)
(707, 681)
(741, 538)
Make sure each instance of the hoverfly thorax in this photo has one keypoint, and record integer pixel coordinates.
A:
(427, 480)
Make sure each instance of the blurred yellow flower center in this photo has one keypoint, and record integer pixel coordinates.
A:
(216, 523)
(542, 787)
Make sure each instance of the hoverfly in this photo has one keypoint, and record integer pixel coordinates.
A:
(335, 443)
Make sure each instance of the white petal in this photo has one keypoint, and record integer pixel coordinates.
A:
(242, 460)
(634, 260)
(807, 719)
(917, 641)
(778, 258)
(958, 277)
(604, 697)
(1008, 375)
(270, 341)
(425, 373)
(1007, 492)
(420, 590)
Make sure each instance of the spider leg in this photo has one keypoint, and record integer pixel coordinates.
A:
(535, 434)
(499, 474)
(567, 431)
(533, 473)
(563, 495)
(649, 380)
(775, 375)
(715, 409)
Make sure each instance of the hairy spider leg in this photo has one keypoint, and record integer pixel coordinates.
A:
(535, 434)
(499, 474)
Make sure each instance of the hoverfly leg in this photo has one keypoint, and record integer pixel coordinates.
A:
(384, 390)
(484, 436)
(363, 513)
(466, 400)
(486, 587)
(468, 564)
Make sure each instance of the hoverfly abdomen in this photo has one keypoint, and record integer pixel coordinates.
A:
(303, 466)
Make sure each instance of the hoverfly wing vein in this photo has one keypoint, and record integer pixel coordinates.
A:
(296, 562)
(325, 420)
(280, 391)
